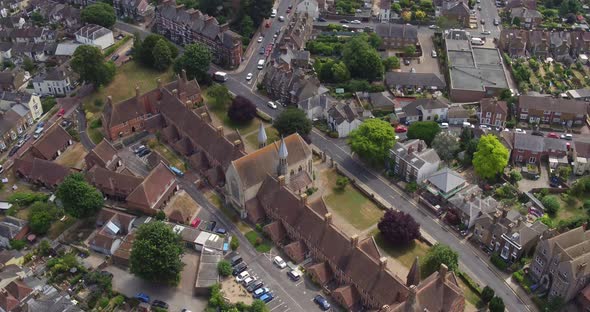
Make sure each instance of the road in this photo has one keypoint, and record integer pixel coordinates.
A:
(488, 13)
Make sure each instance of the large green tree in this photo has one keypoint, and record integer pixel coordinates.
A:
(372, 140)
(162, 55)
(437, 255)
(219, 97)
(292, 120)
(89, 63)
(41, 216)
(195, 60)
(496, 305)
(446, 145)
(423, 130)
(257, 10)
(150, 51)
(156, 254)
(100, 13)
(490, 158)
(79, 198)
(362, 60)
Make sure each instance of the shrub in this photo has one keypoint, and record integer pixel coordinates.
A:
(498, 262)
(551, 204)
(224, 268)
(341, 183)
(496, 305)
(23, 199)
(515, 176)
(234, 243)
(160, 215)
(487, 294)
(411, 187)
(333, 134)
(17, 244)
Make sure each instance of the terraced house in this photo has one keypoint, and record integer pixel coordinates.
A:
(549, 110)
(192, 26)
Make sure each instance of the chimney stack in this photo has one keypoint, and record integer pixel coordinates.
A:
(220, 130)
(282, 180)
(109, 100)
(175, 93)
(504, 213)
(189, 104)
(304, 198)
(183, 74)
(496, 216)
(354, 240)
(137, 92)
(204, 116)
(237, 143)
(159, 81)
(382, 263)
(442, 271)
(328, 218)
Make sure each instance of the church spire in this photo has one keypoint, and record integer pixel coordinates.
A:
(283, 153)
(261, 136)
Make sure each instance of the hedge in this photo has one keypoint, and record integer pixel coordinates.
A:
(117, 45)
(498, 262)
(469, 282)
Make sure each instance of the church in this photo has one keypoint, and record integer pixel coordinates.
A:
(290, 157)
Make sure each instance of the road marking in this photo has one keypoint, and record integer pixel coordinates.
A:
(302, 280)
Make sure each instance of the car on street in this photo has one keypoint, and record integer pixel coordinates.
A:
(281, 18)
(267, 25)
(444, 125)
(260, 39)
(279, 262)
(321, 19)
(433, 27)
(115, 57)
(567, 136)
(518, 130)
(221, 231)
(482, 21)
(496, 22)
(142, 297)
(288, 11)
(261, 50)
(322, 302)
(61, 112)
(255, 285)
(259, 292)
(241, 267)
(13, 151)
(479, 7)
(160, 304)
(272, 105)
(20, 142)
(242, 276)
(144, 152)
(344, 21)
(407, 61)
(553, 135)
(412, 70)
(538, 133)
(249, 76)
(433, 53)
(355, 22)
(139, 149)
(484, 127)
(294, 275)
(486, 32)
(400, 129)
(266, 298)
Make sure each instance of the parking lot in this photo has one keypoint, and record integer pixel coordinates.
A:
(427, 64)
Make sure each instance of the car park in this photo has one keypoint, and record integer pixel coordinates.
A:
(240, 268)
(294, 275)
(266, 298)
(160, 304)
(142, 297)
(242, 276)
(322, 302)
(278, 261)
(255, 285)
(553, 135)
(249, 76)
(259, 292)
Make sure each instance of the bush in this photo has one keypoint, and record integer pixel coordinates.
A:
(411, 187)
(24, 199)
(341, 183)
(487, 294)
(515, 176)
(333, 134)
(17, 244)
(496, 305)
(551, 204)
(234, 243)
(160, 215)
(224, 268)
(498, 262)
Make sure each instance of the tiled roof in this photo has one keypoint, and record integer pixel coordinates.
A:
(538, 144)
(414, 79)
(8, 302)
(582, 149)
(493, 105)
(397, 31)
(52, 141)
(47, 172)
(342, 112)
(105, 151)
(18, 290)
(113, 182)
(446, 180)
(152, 187)
(551, 104)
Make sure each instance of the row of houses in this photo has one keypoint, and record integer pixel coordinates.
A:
(559, 45)
(18, 111)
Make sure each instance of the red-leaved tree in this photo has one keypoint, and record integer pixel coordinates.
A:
(241, 110)
(399, 227)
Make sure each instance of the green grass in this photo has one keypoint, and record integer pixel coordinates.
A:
(569, 210)
(271, 133)
(470, 295)
(95, 135)
(260, 243)
(404, 254)
(352, 205)
(228, 212)
(59, 227)
(168, 154)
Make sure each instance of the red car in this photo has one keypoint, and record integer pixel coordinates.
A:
(267, 24)
(196, 222)
(400, 129)
(553, 135)
(61, 112)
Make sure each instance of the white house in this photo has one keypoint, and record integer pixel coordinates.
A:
(95, 35)
(55, 82)
(345, 117)
(425, 110)
(581, 157)
(30, 101)
(384, 11)
(316, 106)
(457, 115)
(413, 160)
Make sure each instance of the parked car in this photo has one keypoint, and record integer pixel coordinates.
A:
(444, 125)
(344, 21)
(484, 127)
(433, 53)
(160, 304)
(259, 39)
(518, 130)
(13, 151)
(496, 22)
(407, 61)
(20, 142)
(294, 275)
(538, 133)
(433, 27)
(355, 22)
(242, 276)
(272, 105)
(321, 19)
(115, 57)
(249, 76)
(252, 287)
(266, 297)
(221, 231)
(553, 135)
(66, 123)
(400, 129)
(238, 269)
(483, 22)
(567, 136)
(139, 149)
(281, 18)
(144, 152)
(261, 50)
(195, 223)
(235, 260)
(61, 112)
(322, 302)
(279, 262)
(259, 292)
(142, 297)
(1, 169)
(248, 280)
(486, 32)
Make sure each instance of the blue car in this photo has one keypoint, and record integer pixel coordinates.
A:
(221, 231)
(142, 297)
(322, 302)
(259, 292)
(266, 297)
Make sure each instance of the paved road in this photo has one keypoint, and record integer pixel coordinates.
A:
(488, 13)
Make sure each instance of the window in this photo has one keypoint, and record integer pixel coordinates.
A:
(532, 160)
(489, 114)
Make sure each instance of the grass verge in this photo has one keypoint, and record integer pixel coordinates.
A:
(259, 242)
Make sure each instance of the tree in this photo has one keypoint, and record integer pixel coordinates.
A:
(375, 40)
(410, 50)
(423, 130)
(234, 243)
(162, 55)
(446, 145)
(487, 294)
(88, 62)
(398, 227)
(258, 10)
(341, 183)
(516, 21)
(241, 110)
(99, 13)
(292, 120)
(224, 268)
(362, 59)
(29, 65)
(38, 19)
(515, 176)
(407, 16)
(452, 217)
(372, 140)
(195, 60)
(437, 255)
(496, 305)
(219, 95)
(247, 28)
(340, 72)
(391, 62)
(156, 253)
(555, 304)
(490, 158)
(551, 204)
(79, 198)
(419, 15)
(259, 306)
(564, 172)
(160, 215)
(41, 216)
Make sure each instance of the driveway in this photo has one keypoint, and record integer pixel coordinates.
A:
(427, 63)
(526, 185)
(177, 297)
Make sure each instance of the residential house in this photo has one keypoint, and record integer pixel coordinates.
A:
(40, 172)
(559, 264)
(189, 26)
(51, 300)
(112, 227)
(549, 110)
(492, 112)
(471, 204)
(29, 35)
(13, 295)
(382, 100)
(354, 267)
(425, 109)
(30, 101)
(344, 117)
(12, 228)
(113, 185)
(579, 94)
(414, 81)
(457, 11)
(316, 106)
(14, 81)
(457, 115)
(290, 86)
(445, 183)
(529, 4)
(52, 144)
(154, 192)
(291, 158)
(413, 160)
(13, 21)
(397, 36)
(37, 52)
(133, 9)
(560, 45)
(11, 257)
(5, 51)
(103, 155)
(56, 82)
(528, 18)
(514, 42)
(95, 35)
(384, 11)
(297, 32)
(532, 149)
(581, 157)
(15, 118)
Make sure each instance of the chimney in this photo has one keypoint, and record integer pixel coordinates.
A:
(237, 143)
(382, 263)
(220, 130)
(137, 92)
(582, 266)
(282, 180)
(328, 218)
(183, 75)
(420, 147)
(159, 81)
(442, 271)
(189, 104)
(175, 93)
(204, 116)
(496, 216)
(354, 240)
(109, 100)
(410, 150)
(303, 198)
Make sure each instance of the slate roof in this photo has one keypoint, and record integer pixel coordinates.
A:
(397, 31)
(414, 79)
(446, 179)
(54, 140)
(93, 32)
(582, 149)
(472, 202)
(457, 112)
(538, 144)
(342, 112)
(551, 104)
(494, 106)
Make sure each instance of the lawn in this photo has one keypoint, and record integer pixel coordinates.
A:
(272, 135)
(220, 113)
(59, 227)
(352, 205)
(73, 157)
(403, 254)
(260, 243)
(6, 188)
(172, 158)
(569, 210)
(470, 295)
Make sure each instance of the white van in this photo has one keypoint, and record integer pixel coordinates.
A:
(477, 41)
(260, 64)
(274, 13)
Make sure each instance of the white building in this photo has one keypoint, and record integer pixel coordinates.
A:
(31, 101)
(55, 82)
(581, 157)
(425, 110)
(345, 117)
(413, 160)
(385, 11)
(95, 35)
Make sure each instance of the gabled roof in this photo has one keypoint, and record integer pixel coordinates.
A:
(553, 104)
(93, 32)
(582, 149)
(494, 106)
(538, 144)
(109, 181)
(36, 169)
(55, 138)
(105, 151)
(414, 79)
(446, 180)
(397, 31)
(153, 187)
(18, 290)
(342, 112)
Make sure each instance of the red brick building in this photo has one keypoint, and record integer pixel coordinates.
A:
(492, 112)
(54, 142)
(532, 149)
(103, 155)
(154, 192)
(549, 110)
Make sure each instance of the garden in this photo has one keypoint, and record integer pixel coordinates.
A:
(567, 210)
